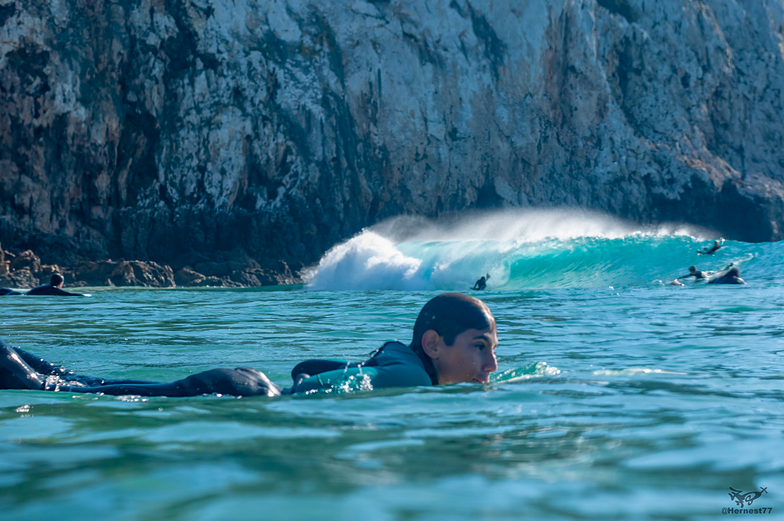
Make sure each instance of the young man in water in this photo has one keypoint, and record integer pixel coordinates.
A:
(454, 341)
(53, 288)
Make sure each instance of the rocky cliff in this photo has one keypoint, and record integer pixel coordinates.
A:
(171, 130)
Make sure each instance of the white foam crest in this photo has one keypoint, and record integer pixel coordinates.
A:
(371, 262)
(413, 253)
(367, 261)
(523, 225)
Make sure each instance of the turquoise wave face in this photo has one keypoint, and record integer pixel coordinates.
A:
(369, 262)
(628, 261)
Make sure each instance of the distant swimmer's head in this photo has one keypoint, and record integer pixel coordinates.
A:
(458, 333)
(716, 243)
(733, 272)
(56, 280)
(692, 269)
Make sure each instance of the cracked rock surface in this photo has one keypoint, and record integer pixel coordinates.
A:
(177, 131)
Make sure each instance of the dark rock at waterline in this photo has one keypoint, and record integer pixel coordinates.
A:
(165, 132)
(188, 277)
(20, 279)
(26, 259)
(26, 271)
(122, 273)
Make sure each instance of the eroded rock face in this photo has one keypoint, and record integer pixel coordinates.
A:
(169, 131)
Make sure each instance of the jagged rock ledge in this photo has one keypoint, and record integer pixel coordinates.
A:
(232, 269)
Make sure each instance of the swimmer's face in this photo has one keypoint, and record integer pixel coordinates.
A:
(471, 358)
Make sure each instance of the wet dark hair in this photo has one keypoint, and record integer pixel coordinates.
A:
(734, 272)
(56, 279)
(450, 314)
(692, 268)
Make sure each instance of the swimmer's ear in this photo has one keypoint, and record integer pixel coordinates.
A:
(431, 341)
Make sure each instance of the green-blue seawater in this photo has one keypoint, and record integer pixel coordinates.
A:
(618, 396)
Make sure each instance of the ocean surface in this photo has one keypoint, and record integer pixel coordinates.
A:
(618, 396)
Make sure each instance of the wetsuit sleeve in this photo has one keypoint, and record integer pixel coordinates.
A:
(364, 378)
(312, 367)
(351, 379)
(400, 376)
(22, 370)
(243, 381)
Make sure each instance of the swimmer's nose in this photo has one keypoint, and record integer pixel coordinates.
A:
(491, 364)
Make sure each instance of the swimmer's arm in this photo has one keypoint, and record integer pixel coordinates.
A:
(396, 375)
(331, 379)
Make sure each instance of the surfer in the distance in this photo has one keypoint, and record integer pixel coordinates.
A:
(710, 251)
(53, 288)
(481, 283)
(693, 272)
(732, 276)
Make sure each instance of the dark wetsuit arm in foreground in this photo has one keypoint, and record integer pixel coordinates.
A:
(22, 370)
(395, 365)
(243, 381)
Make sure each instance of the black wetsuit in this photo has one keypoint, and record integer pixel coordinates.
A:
(393, 365)
(7, 291)
(48, 289)
(710, 251)
(727, 279)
